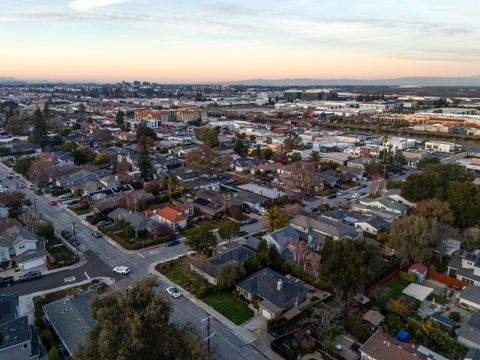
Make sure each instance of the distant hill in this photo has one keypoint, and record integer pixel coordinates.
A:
(404, 81)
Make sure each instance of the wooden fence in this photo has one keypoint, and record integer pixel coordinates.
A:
(444, 279)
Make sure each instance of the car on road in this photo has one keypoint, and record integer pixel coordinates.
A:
(121, 269)
(97, 234)
(172, 243)
(173, 292)
(9, 177)
(21, 186)
(31, 186)
(66, 234)
(332, 196)
(74, 242)
(355, 195)
(38, 192)
(31, 275)
(251, 221)
(52, 203)
(242, 233)
(104, 223)
(6, 281)
(10, 172)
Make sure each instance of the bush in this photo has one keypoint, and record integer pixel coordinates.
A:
(47, 338)
(455, 316)
(39, 323)
(54, 354)
(408, 276)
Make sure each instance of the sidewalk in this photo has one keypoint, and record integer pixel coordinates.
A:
(243, 334)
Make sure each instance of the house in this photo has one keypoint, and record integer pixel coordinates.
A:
(253, 201)
(312, 225)
(466, 267)
(137, 220)
(168, 215)
(373, 318)
(71, 318)
(280, 238)
(385, 203)
(273, 292)
(469, 298)
(18, 340)
(382, 346)
(208, 208)
(19, 244)
(373, 225)
(269, 193)
(420, 272)
(209, 268)
(469, 333)
(81, 177)
(109, 192)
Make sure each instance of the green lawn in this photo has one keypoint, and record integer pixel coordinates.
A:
(230, 307)
(395, 288)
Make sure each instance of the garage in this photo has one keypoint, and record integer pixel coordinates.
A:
(32, 259)
(30, 264)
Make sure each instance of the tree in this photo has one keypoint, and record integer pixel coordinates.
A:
(464, 200)
(45, 230)
(274, 219)
(209, 137)
(46, 112)
(123, 167)
(315, 158)
(239, 147)
(40, 128)
(300, 251)
(228, 229)
(227, 276)
(22, 166)
(136, 324)
(83, 155)
(101, 159)
(128, 201)
(145, 132)
(144, 164)
(120, 119)
(201, 239)
(40, 171)
(425, 163)
(295, 157)
(411, 238)
(208, 160)
(12, 199)
(353, 257)
(292, 143)
(435, 209)
(314, 263)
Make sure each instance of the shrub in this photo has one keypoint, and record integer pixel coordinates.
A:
(53, 354)
(408, 276)
(454, 315)
(47, 338)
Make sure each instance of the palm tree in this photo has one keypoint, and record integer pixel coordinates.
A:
(315, 158)
(170, 182)
(274, 219)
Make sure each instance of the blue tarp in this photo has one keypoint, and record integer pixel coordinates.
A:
(403, 335)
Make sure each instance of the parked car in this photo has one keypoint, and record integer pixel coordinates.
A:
(332, 196)
(355, 195)
(38, 192)
(121, 269)
(97, 234)
(173, 292)
(66, 234)
(242, 233)
(104, 223)
(72, 202)
(172, 243)
(6, 281)
(31, 275)
(251, 221)
(21, 186)
(52, 203)
(65, 196)
(74, 242)
(62, 351)
(9, 177)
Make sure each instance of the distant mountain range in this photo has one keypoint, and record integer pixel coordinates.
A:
(404, 81)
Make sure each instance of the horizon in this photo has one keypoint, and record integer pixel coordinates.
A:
(223, 41)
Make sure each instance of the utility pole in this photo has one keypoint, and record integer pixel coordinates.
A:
(75, 239)
(208, 323)
(34, 203)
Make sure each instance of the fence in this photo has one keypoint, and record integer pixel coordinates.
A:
(383, 282)
(444, 279)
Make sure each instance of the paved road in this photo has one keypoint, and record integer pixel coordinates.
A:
(105, 256)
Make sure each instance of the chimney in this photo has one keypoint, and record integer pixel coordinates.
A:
(279, 284)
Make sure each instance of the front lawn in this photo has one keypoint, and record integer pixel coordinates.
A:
(229, 306)
(120, 236)
(62, 255)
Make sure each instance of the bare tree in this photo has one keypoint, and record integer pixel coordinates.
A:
(314, 262)
(40, 171)
(301, 252)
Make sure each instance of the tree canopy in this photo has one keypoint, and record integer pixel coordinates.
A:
(201, 239)
(136, 325)
(209, 136)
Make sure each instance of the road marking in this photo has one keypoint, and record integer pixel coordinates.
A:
(140, 255)
(154, 252)
(69, 279)
(88, 277)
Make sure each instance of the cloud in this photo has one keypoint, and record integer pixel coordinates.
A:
(90, 4)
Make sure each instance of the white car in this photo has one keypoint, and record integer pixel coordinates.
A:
(356, 195)
(65, 196)
(31, 186)
(173, 292)
(121, 270)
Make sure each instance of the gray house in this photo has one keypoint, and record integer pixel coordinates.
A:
(273, 292)
(137, 220)
(469, 333)
(71, 318)
(18, 340)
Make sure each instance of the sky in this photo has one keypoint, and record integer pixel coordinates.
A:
(206, 40)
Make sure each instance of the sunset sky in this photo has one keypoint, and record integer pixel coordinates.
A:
(204, 40)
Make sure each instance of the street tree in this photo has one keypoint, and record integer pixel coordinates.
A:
(120, 119)
(228, 229)
(136, 324)
(201, 239)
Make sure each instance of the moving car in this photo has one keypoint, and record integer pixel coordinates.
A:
(173, 292)
(97, 234)
(31, 186)
(52, 203)
(121, 269)
(31, 275)
(172, 243)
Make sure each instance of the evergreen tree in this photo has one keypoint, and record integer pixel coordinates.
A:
(40, 128)
(144, 164)
(120, 119)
